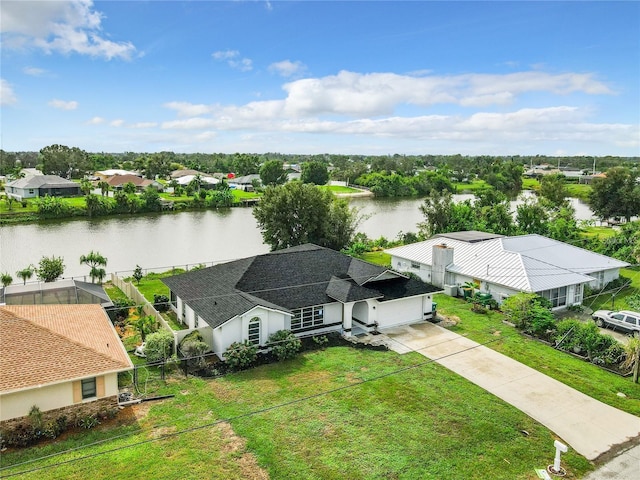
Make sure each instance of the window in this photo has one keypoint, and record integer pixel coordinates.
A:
(307, 317)
(631, 320)
(31, 191)
(557, 296)
(89, 388)
(254, 331)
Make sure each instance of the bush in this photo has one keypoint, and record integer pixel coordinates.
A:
(321, 341)
(161, 302)
(120, 310)
(158, 345)
(193, 349)
(530, 313)
(585, 338)
(284, 344)
(241, 355)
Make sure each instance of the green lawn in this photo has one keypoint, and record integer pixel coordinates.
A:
(530, 184)
(605, 301)
(379, 258)
(580, 191)
(576, 373)
(470, 187)
(601, 232)
(151, 283)
(412, 423)
(339, 189)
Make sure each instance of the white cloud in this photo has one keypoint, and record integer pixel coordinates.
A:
(33, 71)
(190, 124)
(63, 105)
(96, 121)
(7, 97)
(143, 125)
(69, 26)
(186, 109)
(232, 57)
(117, 123)
(287, 68)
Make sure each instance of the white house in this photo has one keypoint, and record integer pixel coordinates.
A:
(59, 358)
(307, 289)
(503, 266)
(40, 185)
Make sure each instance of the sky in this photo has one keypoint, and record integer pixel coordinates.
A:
(359, 77)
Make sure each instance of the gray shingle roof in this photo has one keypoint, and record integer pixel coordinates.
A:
(39, 181)
(285, 280)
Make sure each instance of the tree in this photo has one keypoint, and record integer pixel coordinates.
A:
(151, 199)
(104, 187)
(272, 173)
(137, 274)
(94, 260)
(129, 188)
(26, 273)
(297, 213)
(86, 187)
(64, 161)
(314, 172)
(6, 279)
(553, 188)
(244, 164)
(531, 217)
(50, 268)
(145, 324)
(443, 215)
(617, 195)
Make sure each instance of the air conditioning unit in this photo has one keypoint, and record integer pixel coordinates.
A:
(451, 290)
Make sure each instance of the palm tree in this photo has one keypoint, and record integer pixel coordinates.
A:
(86, 187)
(145, 324)
(104, 188)
(26, 273)
(94, 260)
(174, 184)
(6, 279)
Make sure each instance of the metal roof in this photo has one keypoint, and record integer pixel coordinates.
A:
(471, 236)
(530, 263)
(38, 181)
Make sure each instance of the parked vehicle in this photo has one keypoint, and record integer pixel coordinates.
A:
(621, 320)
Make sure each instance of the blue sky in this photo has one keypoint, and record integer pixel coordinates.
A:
(501, 78)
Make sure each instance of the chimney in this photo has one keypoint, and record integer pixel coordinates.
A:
(441, 257)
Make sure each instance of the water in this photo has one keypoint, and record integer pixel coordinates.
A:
(182, 238)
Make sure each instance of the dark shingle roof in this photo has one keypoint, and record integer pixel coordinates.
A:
(285, 280)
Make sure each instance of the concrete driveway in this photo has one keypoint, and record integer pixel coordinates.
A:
(589, 426)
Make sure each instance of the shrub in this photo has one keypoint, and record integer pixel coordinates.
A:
(284, 344)
(87, 422)
(321, 341)
(120, 310)
(193, 349)
(530, 313)
(158, 345)
(161, 302)
(241, 355)
(478, 308)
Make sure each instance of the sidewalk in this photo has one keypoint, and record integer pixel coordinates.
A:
(589, 426)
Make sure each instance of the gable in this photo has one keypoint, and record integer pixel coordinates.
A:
(62, 342)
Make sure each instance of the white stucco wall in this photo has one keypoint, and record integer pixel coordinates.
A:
(404, 265)
(236, 329)
(48, 397)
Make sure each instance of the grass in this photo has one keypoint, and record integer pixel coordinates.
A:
(379, 258)
(600, 232)
(339, 189)
(470, 187)
(530, 184)
(422, 422)
(579, 190)
(151, 284)
(576, 373)
(605, 301)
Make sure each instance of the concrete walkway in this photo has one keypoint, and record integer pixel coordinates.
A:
(625, 466)
(589, 426)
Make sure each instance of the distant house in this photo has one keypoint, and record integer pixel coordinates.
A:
(104, 174)
(34, 186)
(62, 358)
(308, 289)
(503, 266)
(68, 291)
(243, 183)
(184, 172)
(205, 180)
(117, 181)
